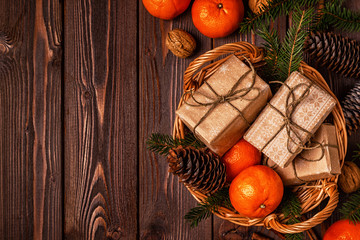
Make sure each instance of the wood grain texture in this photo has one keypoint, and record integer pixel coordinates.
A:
(101, 119)
(163, 200)
(75, 114)
(30, 122)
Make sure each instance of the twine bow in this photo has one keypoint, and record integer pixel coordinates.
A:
(292, 128)
(230, 96)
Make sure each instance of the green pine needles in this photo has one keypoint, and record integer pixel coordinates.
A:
(274, 9)
(290, 206)
(291, 53)
(272, 45)
(351, 208)
(335, 15)
(332, 14)
(205, 210)
(285, 57)
(162, 143)
(356, 155)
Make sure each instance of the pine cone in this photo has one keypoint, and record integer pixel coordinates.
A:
(351, 109)
(198, 169)
(339, 54)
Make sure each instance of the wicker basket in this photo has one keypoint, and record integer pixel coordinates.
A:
(311, 194)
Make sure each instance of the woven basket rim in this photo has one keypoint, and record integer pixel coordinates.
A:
(311, 194)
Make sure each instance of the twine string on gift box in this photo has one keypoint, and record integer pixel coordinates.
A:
(292, 128)
(318, 145)
(231, 95)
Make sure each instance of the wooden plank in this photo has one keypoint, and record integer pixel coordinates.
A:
(30, 122)
(100, 119)
(163, 200)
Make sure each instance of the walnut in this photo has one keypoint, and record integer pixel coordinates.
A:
(349, 180)
(180, 43)
(255, 5)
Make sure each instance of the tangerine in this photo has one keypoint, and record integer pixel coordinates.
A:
(256, 191)
(217, 18)
(166, 9)
(341, 230)
(239, 157)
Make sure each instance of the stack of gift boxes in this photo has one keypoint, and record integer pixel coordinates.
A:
(287, 128)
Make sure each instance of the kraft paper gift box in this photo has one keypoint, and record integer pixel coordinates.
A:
(221, 110)
(294, 113)
(318, 163)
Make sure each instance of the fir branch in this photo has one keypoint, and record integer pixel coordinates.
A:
(274, 9)
(204, 210)
(197, 214)
(290, 206)
(291, 53)
(272, 46)
(294, 236)
(162, 143)
(356, 155)
(335, 15)
(220, 198)
(191, 140)
(351, 208)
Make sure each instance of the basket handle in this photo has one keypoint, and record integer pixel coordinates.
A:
(246, 49)
(333, 193)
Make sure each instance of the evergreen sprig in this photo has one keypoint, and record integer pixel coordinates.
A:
(272, 45)
(162, 143)
(294, 236)
(290, 206)
(204, 210)
(284, 58)
(291, 53)
(271, 11)
(356, 155)
(333, 14)
(351, 208)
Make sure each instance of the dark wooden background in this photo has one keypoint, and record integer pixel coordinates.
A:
(82, 85)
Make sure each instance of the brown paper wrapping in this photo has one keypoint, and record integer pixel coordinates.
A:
(269, 132)
(224, 126)
(300, 170)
